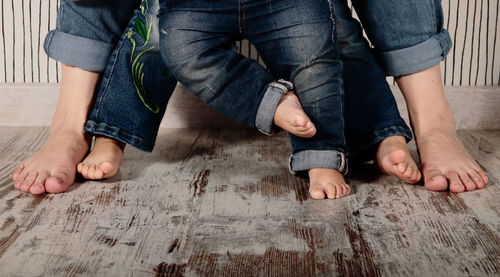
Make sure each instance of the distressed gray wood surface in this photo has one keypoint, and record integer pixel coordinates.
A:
(222, 203)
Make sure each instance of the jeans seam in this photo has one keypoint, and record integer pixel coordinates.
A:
(107, 78)
(435, 15)
(93, 123)
(60, 15)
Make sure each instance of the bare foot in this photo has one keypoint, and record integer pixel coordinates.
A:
(291, 117)
(326, 182)
(445, 161)
(393, 158)
(52, 168)
(104, 160)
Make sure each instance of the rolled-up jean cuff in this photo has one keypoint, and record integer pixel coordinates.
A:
(118, 134)
(264, 120)
(396, 130)
(84, 53)
(418, 57)
(366, 151)
(309, 159)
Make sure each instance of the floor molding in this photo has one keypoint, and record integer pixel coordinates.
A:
(34, 104)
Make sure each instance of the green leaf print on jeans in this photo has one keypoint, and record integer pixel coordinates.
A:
(143, 29)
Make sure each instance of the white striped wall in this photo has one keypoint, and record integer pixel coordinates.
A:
(473, 25)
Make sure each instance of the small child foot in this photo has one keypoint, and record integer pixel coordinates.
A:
(393, 158)
(103, 161)
(291, 117)
(326, 182)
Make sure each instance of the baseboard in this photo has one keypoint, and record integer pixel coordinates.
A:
(34, 105)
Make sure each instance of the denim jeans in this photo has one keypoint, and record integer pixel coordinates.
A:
(296, 40)
(408, 35)
(87, 31)
(370, 111)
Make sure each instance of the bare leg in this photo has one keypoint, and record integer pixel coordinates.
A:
(104, 160)
(326, 182)
(52, 169)
(445, 162)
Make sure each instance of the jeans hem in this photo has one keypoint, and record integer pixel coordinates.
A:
(418, 57)
(264, 120)
(368, 150)
(309, 159)
(85, 53)
(118, 134)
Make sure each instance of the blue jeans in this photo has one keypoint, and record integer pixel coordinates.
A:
(408, 36)
(87, 31)
(370, 111)
(296, 40)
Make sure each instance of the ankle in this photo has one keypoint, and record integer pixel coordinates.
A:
(109, 141)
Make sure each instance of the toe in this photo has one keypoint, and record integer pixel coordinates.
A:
(91, 172)
(85, 170)
(347, 189)
(108, 169)
(397, 156)
(416, 176)
(59, 181)
(402, 168)
(435, 180)
(479, 170)
(476, 178)
(413, 174)
(79, 167)
(30, 179)
(99, 173)
(467, 181)
(38, 187)
(484, 176)
(332, 191)
(456, 184)
(20, 180)
(17, 171)
(317, 192)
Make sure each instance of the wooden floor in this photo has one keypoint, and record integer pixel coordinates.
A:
(222, 203)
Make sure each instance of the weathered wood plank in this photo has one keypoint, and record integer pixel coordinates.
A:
(222, 203)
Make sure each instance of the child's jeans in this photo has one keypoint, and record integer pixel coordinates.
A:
(295, 38)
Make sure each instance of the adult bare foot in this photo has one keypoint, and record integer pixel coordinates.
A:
(291, 117)
(104, 160)
(393, 158)
(52, 169)
(445, 162)
(326, 182)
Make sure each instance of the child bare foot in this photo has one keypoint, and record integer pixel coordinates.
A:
(52, 168)
(393, 158)
(326, 182)
(291, 117)
(445, 163)
(104, 160)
